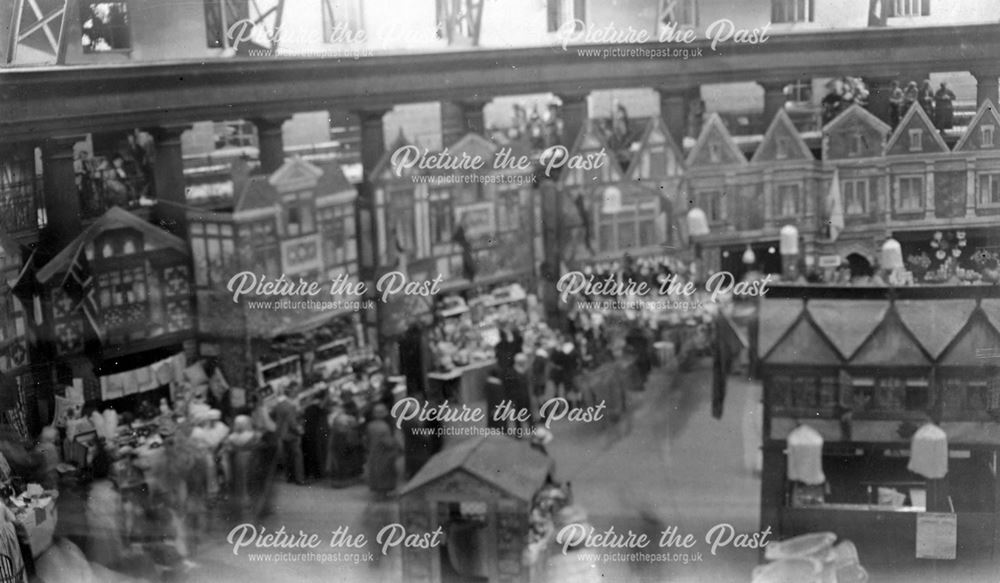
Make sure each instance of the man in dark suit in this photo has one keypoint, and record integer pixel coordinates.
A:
(516, 389)
(289, 435)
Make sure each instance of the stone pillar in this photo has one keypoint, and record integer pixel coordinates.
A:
(774, 100)
(987, 87)
(879, 91)
(62, 197)
(459, 118)
(270, 142)
(674, 110)
(168, 178)
(372, 148)
(574, 116)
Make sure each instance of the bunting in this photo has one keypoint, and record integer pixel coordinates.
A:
(581, 210)
(80, 286)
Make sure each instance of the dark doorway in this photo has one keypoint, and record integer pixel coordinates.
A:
(859, 265)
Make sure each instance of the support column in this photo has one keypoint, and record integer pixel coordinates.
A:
(168, 179)
(774, 100)
(62, 197)
(574, 116)
(987, 87)
(372, 148)
(674, 107)
(270, 142)
(459, 118)
(879, 91)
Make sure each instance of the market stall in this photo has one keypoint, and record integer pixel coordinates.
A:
(484, 495)
(868, 373)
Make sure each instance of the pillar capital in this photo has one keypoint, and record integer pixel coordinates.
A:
(269, 123)
(168, 132)
(369, 115)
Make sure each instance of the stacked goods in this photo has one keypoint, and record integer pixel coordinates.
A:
(811, 558)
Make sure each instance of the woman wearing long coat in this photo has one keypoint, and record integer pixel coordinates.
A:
(383, 449)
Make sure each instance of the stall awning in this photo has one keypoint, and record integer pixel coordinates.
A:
(776, 316)
(891, 344)
(935, 323)
(511, 465)
(804, 345)
(975, 345)
(847, 324)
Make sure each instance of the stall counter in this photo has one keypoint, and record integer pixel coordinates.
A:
(464, 384)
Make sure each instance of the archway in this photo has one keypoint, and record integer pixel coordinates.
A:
(859, 265)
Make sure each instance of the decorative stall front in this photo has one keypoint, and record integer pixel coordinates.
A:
(118, 301)
(16, 312)
(882, 418)
(298, 222)
(481, 494)
(476, 231)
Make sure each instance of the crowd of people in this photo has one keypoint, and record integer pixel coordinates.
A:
(938, 105)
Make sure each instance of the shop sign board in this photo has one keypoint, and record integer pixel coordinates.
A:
(829, 260)
(937, 535)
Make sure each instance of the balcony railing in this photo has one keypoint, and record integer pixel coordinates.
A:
(22, 206)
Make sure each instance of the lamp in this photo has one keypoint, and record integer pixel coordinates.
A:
(789, 241)
(697, 223)
(929, 452)
(749, 257)
(805, 456)
(892, 255)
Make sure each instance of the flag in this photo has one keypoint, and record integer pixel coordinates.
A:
(835, 207)
(581, 210)
(80, 286)
(401, 259)
(727, 349)
(26, 285)
(877, 13)
(468, 261)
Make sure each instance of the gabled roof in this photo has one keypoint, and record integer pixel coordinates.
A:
(847, 326)
(714, 132)
(257, 193)
(472, 145)
(508, 464)
(656, 133)
(333, 180)
(782, 127)
(114, 218)
(295, 174)
(776, 316)
(987, 114)
(861, 114)
(891, 344)
(589, 140)
(383, 168)
(804, 344)
(978, 335)
(935, 323)
(915, 119)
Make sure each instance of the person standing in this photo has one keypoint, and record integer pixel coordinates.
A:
(382, 452)
(926, 98)
(511, 343)
(494, 396)
(895, 103)
(289, 437)
(517, 391)
(944, 108)
(315, 437)
(910, 96)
